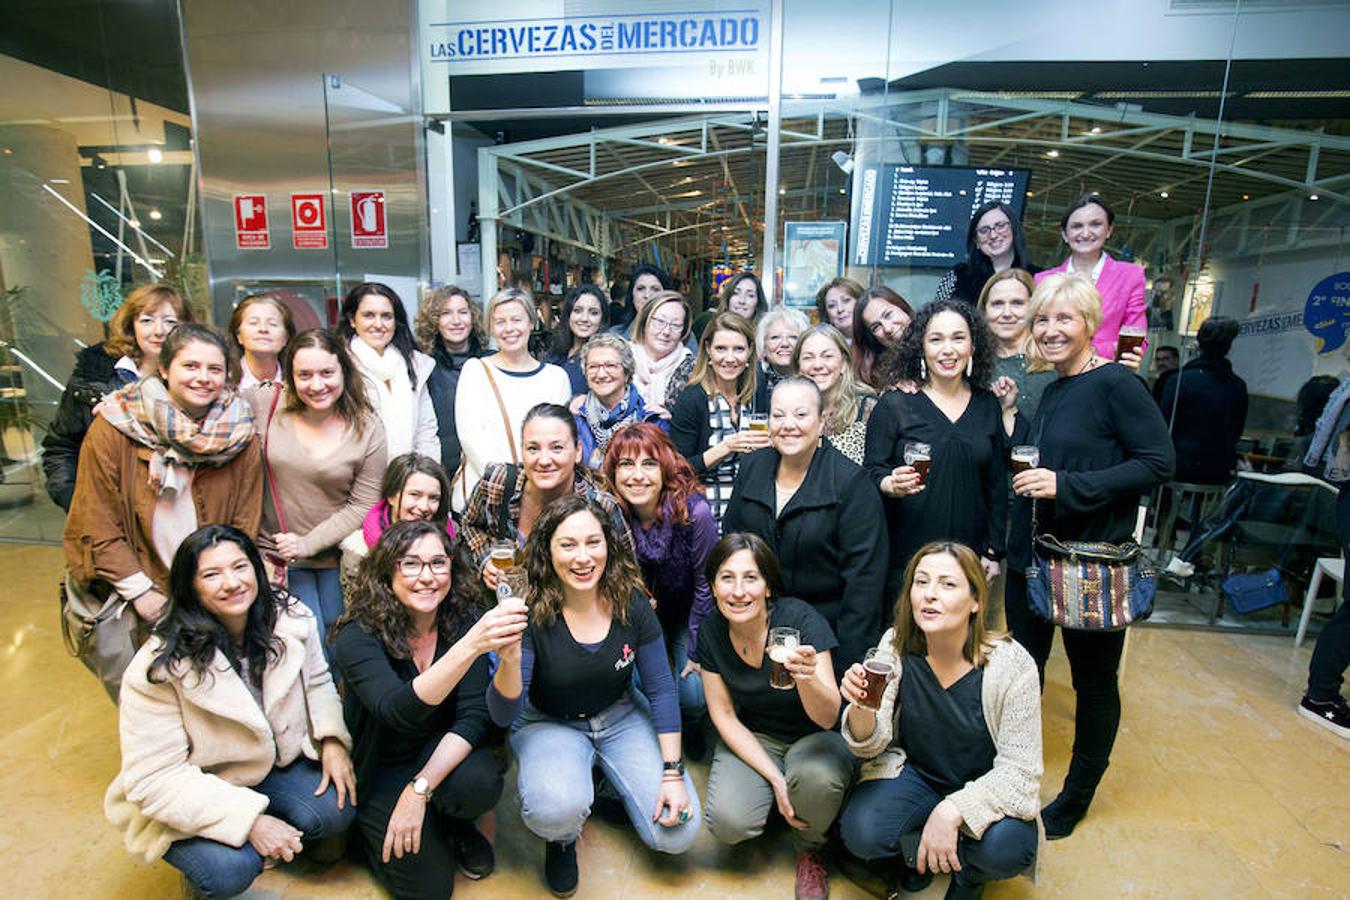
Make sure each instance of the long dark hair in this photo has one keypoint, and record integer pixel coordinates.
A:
(354, 406)
(192, 635)
(647, 269)
(902, 362)
(977, 263)
(866, 348)
(403, 337)
(618, 581)
(371, 602)
(563, 338)
(405, 466)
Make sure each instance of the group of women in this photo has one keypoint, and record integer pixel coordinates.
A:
(296, 532)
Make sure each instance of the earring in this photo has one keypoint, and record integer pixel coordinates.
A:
(923, 370)
(970, 365)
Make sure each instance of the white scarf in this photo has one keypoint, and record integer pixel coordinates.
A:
(394, 399)
(652, 377)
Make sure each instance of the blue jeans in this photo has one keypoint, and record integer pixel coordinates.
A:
(219, 870)
(689, 688)
(880, 811)
(321, 592)
(556, 757)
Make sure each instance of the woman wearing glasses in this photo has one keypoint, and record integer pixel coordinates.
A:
(661, 361)
(611, 401)
(994, 243)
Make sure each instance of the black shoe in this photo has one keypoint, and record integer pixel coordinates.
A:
(1064, 813)
(560, 868)
(958, 891)
(912, 881)
(1333, 715)
(473, 853)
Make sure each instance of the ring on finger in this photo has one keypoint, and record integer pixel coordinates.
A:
(684, 816)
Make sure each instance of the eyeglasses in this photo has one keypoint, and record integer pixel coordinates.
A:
(411, 567)
(604, 367)
(998, 227)
(656, 324)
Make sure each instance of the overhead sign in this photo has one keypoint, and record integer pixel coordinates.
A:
(369, 228)
(250, 222)
(309, 225)
(1327, 312)
(813, 255)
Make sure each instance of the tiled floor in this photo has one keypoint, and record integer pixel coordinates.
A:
(1217, 788)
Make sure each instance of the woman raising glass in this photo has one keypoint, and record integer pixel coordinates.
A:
(416, 675)
(566, 687)
(880, 317)
(994, 244)
(611, 400)
(710, 424)
(449, 329)
(234, 751)
(260, 328)
(835, 302)
(1003, 304)
(661, 361)
(775, 338)
(951, 739)
(779, 748)
(585, 314)
(822, 355)
(939, 454)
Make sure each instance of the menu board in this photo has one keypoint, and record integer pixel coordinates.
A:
(918, 215)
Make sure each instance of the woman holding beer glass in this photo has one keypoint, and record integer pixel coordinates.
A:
(1003, 305)
(721, 414)
(947, 716)
(416, 673)
(509, 499)
(822, 355)
(1122, 330)
(938, 454)
(567, 687)
(771, 691)
(1102, 443)
(821, 517)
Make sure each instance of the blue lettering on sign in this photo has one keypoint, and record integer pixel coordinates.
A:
(1327, 312)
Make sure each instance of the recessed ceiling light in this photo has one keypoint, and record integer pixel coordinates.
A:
(1031, 193)
(1246, 196)
(1053, 154)
(155, 155)
(134, 223)
(1313, 197)
(1162, 194)
(1096, 129)
(156, 215)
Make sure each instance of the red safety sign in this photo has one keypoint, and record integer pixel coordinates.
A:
(250, 222)
(369, 228)
(309, 226)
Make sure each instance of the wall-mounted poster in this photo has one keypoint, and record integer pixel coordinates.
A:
(1326, 315)
(1198, 304)
(813, 254)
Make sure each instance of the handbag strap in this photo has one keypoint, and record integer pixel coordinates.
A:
(504, 529)
(267, 466)
(501, 407)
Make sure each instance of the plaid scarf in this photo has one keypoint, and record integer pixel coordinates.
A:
(143, 412)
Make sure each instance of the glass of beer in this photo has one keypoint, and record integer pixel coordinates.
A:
(878, 671)
(919, 455)
(502, 554)
(1025, 456)
(1129, 340)
(755, 422)
(511, 587)
(783, 642)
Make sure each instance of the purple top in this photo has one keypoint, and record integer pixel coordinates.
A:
(672, 558)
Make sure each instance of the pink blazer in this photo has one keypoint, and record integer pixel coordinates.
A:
(1121, 285)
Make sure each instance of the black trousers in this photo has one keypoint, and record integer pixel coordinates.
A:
(1094, 662)
(1331, 654)
(470, 790)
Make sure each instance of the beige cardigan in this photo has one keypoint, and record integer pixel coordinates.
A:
(1011, 695)
(193, 748)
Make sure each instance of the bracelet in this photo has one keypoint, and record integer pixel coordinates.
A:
(676, 767)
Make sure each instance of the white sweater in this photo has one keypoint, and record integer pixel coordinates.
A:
(423, 438)
(478, 419)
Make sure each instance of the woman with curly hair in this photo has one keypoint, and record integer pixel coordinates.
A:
(961, 492)
(416, 672)
(449, 329)
(567, 687)
(234, 751)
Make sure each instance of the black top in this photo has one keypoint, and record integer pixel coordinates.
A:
(1209, 419)
(1105, 439)
(690, 428)
(762, 708)
(442, 386)
(830, 540)
(966, 285)
(94, 375)
(391, 725)
(571, 681)
(942, 730)
(965, 493)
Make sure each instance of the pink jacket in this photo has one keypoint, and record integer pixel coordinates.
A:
(1121, 285)
(377, 520)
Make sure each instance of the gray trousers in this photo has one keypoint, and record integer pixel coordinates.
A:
(819, 769)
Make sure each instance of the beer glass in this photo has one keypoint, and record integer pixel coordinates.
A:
(503, 554)
(755, 422)
(783, 642)
(878, 671)
(1025, 456)
(919, 455)
(1129, 340)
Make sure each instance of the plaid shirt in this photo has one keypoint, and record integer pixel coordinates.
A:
(483, 513)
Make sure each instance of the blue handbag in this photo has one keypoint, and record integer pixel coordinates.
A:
(1251, 591)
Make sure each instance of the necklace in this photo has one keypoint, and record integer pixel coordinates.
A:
(1091, 361)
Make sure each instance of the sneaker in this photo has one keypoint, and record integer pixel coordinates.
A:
(560, 868)
(473, 853)
(813, 882)
(1333, 715)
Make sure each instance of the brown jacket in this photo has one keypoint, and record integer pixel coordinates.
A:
(108, 535)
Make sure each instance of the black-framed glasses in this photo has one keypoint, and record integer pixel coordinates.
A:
(411, 566)
(1000, 227)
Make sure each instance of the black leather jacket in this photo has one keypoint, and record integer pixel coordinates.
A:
(94, 376)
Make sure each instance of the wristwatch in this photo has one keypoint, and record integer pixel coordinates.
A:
(677, 767)
(421, 787)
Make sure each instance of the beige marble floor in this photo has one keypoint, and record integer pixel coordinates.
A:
(1217, 788)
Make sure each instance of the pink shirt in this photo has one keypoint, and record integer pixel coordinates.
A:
(1121, 285)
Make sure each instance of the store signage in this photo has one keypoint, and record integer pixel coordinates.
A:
(309, 225)
(369, 227)
(1326, 315)
(250, 222)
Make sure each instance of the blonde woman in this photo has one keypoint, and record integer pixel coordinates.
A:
(822, 354)
(1003, 305)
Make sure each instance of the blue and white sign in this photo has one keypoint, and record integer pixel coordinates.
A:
(1327, 312)
(713, 48)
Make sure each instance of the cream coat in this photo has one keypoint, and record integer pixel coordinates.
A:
(193, 748)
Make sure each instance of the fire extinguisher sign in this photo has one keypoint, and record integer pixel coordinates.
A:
(370, 230)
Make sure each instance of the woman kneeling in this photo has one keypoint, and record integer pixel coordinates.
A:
(591, 625)
(775, 716)
(954, 747)
(233, 747)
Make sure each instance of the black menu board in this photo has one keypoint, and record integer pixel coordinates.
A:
(918, 215)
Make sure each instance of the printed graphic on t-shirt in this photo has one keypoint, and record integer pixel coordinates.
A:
(625, 659)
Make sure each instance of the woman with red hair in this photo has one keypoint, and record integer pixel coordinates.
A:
(673, 531)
